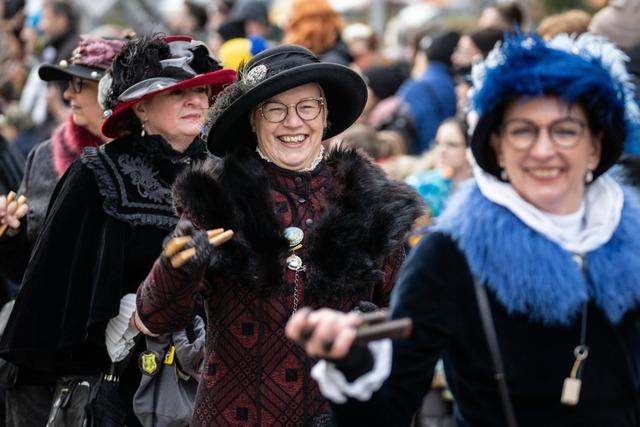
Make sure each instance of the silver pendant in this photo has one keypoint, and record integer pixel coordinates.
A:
(294, 262)
(294, 235)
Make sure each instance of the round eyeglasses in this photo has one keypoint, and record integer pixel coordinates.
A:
(276, 112)
(521, 134)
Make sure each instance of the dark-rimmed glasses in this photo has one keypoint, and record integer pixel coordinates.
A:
(76, 84)
(521, 133)
(276, 112)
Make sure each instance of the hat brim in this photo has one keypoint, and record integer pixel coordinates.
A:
(486, 158)
(51, 72)
(113, 125)
(344, 90)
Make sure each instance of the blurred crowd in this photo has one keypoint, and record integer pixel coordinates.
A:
(417, 119)
(418, 72)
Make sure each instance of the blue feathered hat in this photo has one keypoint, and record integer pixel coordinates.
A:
(588, 70)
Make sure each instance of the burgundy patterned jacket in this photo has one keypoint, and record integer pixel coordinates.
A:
(354, 221)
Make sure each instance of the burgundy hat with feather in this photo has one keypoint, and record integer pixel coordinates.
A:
(182, 64)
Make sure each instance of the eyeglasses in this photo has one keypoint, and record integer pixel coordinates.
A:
(276, 112)
(76, 84)
(521, 133)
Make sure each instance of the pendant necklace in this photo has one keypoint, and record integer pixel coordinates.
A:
(294, 236)
(573, 383)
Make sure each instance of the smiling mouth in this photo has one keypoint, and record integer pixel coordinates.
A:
(292, 139)
(545, 173)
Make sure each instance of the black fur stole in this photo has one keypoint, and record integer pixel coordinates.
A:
(366, 222)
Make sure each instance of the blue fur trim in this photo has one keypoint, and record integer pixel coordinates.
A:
(534, 276)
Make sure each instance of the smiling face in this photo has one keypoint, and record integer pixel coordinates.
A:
(450, 151)
(176, 115)
(85, 110)
(549, 176)
(293, 143)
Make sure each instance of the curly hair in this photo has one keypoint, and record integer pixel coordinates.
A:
(314, 25)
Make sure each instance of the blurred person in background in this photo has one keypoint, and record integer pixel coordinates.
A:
(451, 166)
(318, 27)
(190, 19)
(244, 33)
(18, 130)
(45, 105)
(472, 47)
(573, 21)
(383, 81)
(618, 22)
(503, 15)
(374, 143)
(247, 19)
(431, 97)
(363, 45)
(13, 50)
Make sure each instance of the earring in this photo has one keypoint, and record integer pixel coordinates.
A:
(588, 177)
(503, 175)
(143, 132)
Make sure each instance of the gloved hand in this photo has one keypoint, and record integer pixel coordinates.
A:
(198, 242)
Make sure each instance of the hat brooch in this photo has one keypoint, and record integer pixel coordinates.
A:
(255, 75)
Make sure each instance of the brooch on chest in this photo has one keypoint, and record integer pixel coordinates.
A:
(294, 236)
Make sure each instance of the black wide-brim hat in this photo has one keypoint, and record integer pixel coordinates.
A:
(65, 71)
(277, 70)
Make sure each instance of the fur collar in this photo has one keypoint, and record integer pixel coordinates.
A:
(533, 276)
(365, 222)
(69, 140)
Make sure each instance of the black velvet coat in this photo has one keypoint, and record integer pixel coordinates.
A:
(436, 290)
(104, 229)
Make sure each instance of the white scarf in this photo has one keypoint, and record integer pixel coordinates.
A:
(603, 200)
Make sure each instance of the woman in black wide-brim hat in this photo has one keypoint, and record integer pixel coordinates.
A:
(110, 212)
(311, 229)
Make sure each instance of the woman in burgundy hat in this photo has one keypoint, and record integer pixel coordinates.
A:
(110, 212)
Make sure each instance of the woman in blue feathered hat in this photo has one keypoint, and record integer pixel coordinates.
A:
(545, 234)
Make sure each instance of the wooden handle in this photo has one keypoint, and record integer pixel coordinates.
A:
(221, 238)
(177, 243)
(10, 198)
(179, 259)
(374, 317)
(395, 329)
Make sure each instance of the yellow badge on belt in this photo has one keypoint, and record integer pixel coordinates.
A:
(171, 352)
(148, 362)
